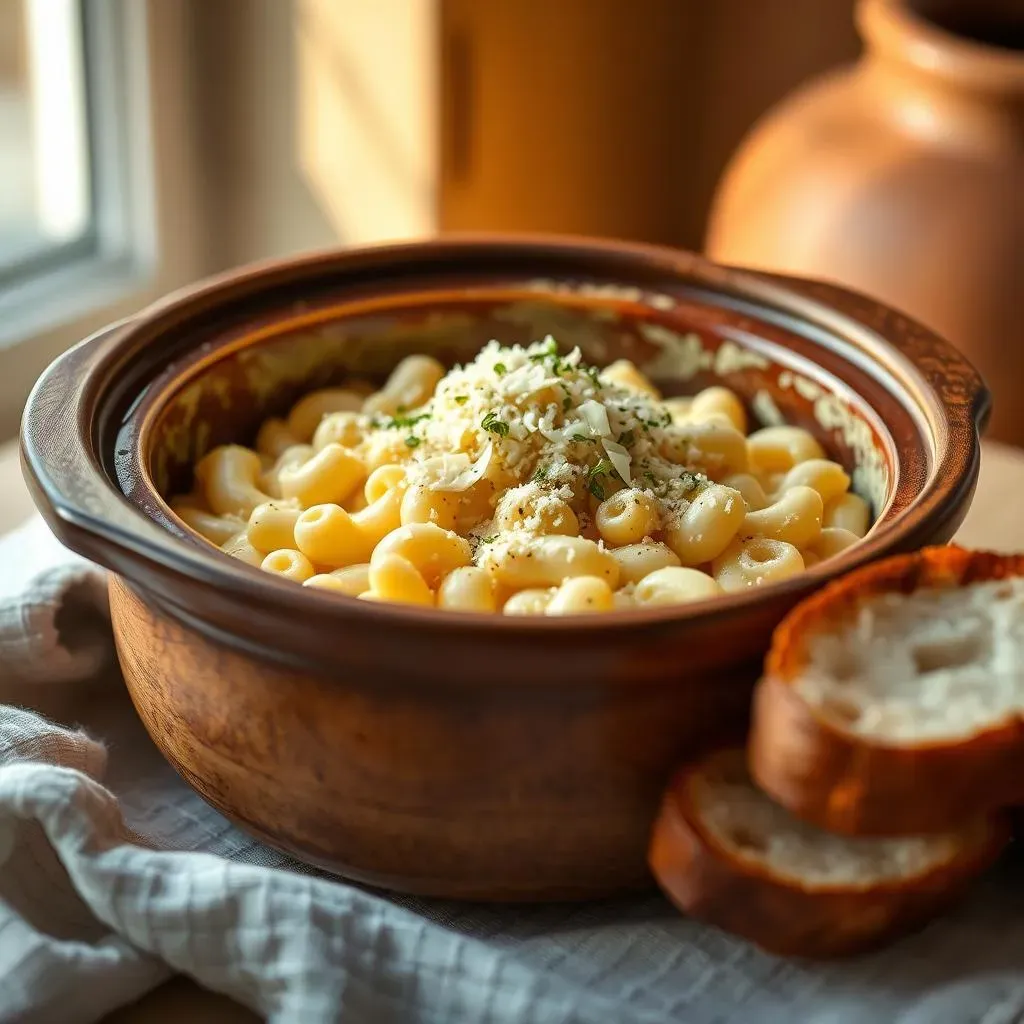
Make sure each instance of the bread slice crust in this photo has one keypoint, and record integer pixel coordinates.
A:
(858, 785)
(713, 883)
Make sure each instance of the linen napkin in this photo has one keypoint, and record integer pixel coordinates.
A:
(114, 875)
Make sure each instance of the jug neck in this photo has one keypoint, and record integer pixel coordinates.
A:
(972, 49)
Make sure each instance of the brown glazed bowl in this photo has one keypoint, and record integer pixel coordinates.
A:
(437, 752)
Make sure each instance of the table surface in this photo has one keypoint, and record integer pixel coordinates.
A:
(991, 523)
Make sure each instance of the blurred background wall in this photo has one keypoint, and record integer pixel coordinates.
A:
(196, 135)
(344, 120)
(318, 120)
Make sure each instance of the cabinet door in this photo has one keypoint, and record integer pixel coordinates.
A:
(565, 115)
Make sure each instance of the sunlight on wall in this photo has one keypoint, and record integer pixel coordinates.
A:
(367, 135)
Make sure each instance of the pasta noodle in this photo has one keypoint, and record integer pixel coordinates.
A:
(524, 483)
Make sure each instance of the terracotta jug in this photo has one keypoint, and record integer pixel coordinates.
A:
(903, 177)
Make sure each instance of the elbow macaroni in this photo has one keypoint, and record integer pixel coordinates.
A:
(581, 595)
(639, 560)
(274, 438)
(353, 580)
(627, 517)
(272, 526)
(228, 479)
(393, 578)
(330, 475)
(467, 589)
(848, 512)
(757, 560)
(524, 484)
(217, 529)
(794, 517)
(777, 449)
(705, 528)
(308, 412)
(291, 564)
(721, 403)
(516, 509)
(675, 585)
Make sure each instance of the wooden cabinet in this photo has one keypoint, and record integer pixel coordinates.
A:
(365, 120)
(566, 115)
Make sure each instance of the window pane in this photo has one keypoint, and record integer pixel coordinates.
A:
(44, 159)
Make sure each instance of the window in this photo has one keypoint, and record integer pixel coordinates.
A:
(100, 198)
(45, 204)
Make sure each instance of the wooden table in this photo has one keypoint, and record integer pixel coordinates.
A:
(994, 522)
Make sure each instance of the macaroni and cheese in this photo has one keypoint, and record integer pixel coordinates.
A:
(524, 483)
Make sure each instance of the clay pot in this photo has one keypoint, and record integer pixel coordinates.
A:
(903, 177)
(436, 752)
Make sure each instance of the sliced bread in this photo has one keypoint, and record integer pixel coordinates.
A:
(892, 701)
(724, 853)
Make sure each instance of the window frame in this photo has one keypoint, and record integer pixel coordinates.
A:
(43, 256)
(146, 236)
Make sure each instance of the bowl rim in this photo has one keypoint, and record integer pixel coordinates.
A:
(91, 514)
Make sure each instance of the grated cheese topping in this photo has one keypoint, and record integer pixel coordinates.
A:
(519, 468)
(543, 430)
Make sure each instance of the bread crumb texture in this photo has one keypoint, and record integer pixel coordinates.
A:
(938, 663)
(753, 828)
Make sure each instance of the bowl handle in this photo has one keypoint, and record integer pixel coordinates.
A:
(958, 384)
(61, 467)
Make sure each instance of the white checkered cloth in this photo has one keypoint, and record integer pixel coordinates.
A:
(114, 875)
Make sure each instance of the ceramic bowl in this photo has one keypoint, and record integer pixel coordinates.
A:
(436, 752)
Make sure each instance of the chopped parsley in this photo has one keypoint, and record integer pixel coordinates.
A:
(500, 369)
(412, 441)
(461, 399)
(400, 421)
(648, 424)
(550, 349)
(627, 438)
(566, 403)
(540, 473)
(549, 354)
(600, 468)
(491, 423)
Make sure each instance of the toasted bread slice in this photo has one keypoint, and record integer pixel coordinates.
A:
(726, 854)
(892, 701)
